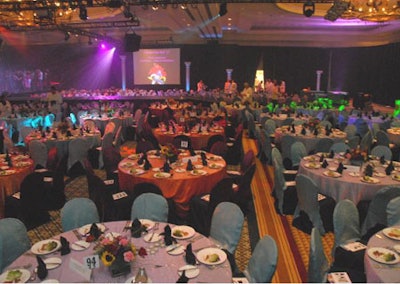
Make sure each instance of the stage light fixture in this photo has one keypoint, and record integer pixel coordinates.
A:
(223, 9)
(308, 9)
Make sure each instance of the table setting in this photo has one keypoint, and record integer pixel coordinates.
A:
(114, 252)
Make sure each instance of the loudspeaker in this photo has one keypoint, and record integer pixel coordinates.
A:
(132, 42)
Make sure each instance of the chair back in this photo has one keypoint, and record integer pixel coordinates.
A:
(318, 264)
(38, 153)
(380, 150)
(226, 225)
(297, 152)
(14, 241)
(213, 139)
(339, 147)
(286, 145)
(346, 223)
(287, 121)
(77, 152)
(393, 212)
(276, 157)
(350, 130)
(307, 194)
(324, 145)
(219, 148)
(25, 131)
(248, 160)
(377, 208)
(382, 138)
(182, 142)
(366, 141)
(353, 142)
(270, 126)
(144, 146)
(107, 140)
(279, 185)
(150, 206)
(221, 192)
(78, 212)
(111, 159)
(262, 264)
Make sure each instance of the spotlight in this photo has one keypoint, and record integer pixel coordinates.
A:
(83, 13)
(183, 6)
(67, 36)
(308, 9)
(223, 9)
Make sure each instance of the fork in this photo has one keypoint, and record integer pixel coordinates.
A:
(154, 229)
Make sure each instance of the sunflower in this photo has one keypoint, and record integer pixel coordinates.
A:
(107, 258)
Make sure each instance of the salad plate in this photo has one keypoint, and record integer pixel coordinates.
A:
(392, 233)
(211, 256)
(84, 230)
(182, 232)
(383, 255)
(46, 247)
(15, 276)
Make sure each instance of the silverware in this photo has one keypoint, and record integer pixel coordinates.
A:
(154, 230)
(174, 248)
(188, 269)
(77, 235)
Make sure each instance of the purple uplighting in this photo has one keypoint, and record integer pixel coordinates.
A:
(103, 46)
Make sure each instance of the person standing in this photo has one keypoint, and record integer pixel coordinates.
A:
(5, 106)
(54, 100)
(247, 93)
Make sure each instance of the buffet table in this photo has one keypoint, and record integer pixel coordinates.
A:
(179, 184)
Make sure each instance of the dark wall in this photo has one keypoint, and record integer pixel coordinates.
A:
(372, 70)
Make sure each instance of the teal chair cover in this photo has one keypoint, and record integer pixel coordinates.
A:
(366, 142)
(270, 126)
(307, 193)
(38, 153)
(325, 123)
(150, 206)
(318, 264)
(377, 208)
(262, 264)
(353, 142)
(226, 225)
(382, 138)
(339, 147)
(393, 212)
(77, 152)
(346, 223)
(350, 130)
(14, 241)
(78, 212)
(276, 157)
(323, 145)
(380, 150)
(286, 145)
(297, 152)
(279, 185)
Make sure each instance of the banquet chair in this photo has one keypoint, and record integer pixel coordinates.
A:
(150, 206)
(276, 157)
(350, 130)
(265, 147)
(286, 145)
(219, 148)
(182, 142)
(52, 159)
(201, 207)
(53, 183)
(380, 150)
(318, 265)
(111, 159)
(339, 147)
(25, 131)
(310, 206)
(226, 226)
(110, 128)
(143, 146)
(382, 138)
(323, 145)
(366, 142)
(78, 212)
(38, 153)
(284, 192)
(77, 154)
(106, 141)
(393, 212)
(117, 124)
(287, 121)
(353, 142)
(263, 261)
(247, 161)
(270, 126)
(118, 137)
(14, 241)
(251, 127)
(297, 152)
(235, 148)
(376, 212)
(213, 139)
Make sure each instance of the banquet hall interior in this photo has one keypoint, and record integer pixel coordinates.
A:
(285, 112)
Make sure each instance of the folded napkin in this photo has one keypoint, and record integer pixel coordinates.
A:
(69, 134)
(293, 129)
(303, 131)
(369, 170)
(166, 167)
(65, 249)
(315, 131)
(147, 165)
(54, 135)
(137, 228)
(192, 152)
(94, 231)
(340, 168)
(168, 239)
(189, 256)
(321, 159)
(182, 278)
(142, 159)
(382, 160)
(47, 129)
(189, 166)
(203, 159)
(41, 268)
(43, 134)
(389, 169)
(325, 164)
(328, 132)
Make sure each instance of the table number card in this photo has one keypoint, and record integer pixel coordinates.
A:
(119, 195)
(184, 144)
(92, 261)
(48, 179)
(354, 246)
(109, 182)
(338, 277)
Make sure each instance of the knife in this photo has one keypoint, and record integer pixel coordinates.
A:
(174, 248)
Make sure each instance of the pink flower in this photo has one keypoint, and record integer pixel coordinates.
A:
(128, 256)
(123, 242)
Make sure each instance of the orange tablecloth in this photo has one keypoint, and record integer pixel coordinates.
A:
(199, 140)
(180, 186)
(11, 179)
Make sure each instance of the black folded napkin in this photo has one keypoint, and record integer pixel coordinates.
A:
(303, 131)
(369, 170)
(182, 278)
(48, 129)
(41, 268)
(331, 154)
(382, 160)
(65, 249)
(54, 135)
(95, 231)
(168, 239)
(189, 256)
(189, 166)
(340, 168)
(147, 165)
(293, 129)
(325, 164)
(192, 152)
(389, 169)
(203, 158)
(137, 228)
(328, 132)
(43, 134)
(186, 129)
(315, 131)
(142, 159)
(166, 167)
(321, 158)
(69, 134)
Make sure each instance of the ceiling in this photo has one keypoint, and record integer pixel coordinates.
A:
(247, 24)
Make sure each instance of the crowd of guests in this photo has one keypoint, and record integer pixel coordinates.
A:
(23, 81)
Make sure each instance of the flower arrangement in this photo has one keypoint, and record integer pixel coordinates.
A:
(116, 253)
(357, 155)
(169, 151)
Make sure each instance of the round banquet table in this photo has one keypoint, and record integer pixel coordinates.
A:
(394, 135)
(279, 119)
(101, 122)
(309, 140)
(181, 186)
(199, 140)
(349, 185)
(379, 272)
(160, 266)
(11, 178)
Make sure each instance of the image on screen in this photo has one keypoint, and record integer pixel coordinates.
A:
(157, 66)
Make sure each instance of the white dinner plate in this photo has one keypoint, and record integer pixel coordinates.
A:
(368, 179)
(198, 172)
(134, 156)
(84, 230)
(152, 238)
(315, 165)
(175, 249)
(80, 245)
(136, 172)
(162, 175)
(215, 158)
(383, 255)
(332, 174)
(7, 172)
(392, 232)
(180, 170)
(46, 246)
(191, 271)
(182, 232)
(51, 263)
(198, 166)
(155, 169)
(25, 274)
(147, 223)
(206, 256)
(215, 166)
(354, 174)
(396, 177)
